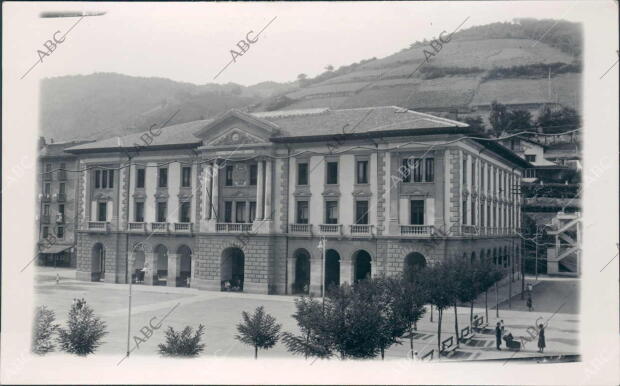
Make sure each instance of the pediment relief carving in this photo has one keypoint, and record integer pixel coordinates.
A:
(235, 136)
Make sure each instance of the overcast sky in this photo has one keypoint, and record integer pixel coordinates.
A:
(191, 42)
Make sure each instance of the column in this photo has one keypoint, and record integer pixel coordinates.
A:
(259, 191)
(268, 172)
(215, 191)
(208, 190)
(173, 269)
(394, 178)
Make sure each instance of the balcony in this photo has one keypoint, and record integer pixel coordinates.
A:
(137, 227)
(98, 226)
(331, 229)
(46, 197)
(62, 175)
(159, 227)
(416, 230)
(61, 197)
(229, 227)
(183, 227)
(300, 228)
(361, 230)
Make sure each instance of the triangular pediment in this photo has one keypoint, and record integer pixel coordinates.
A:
(235, 136)
(237, 128)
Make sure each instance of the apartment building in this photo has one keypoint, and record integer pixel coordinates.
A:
(243, 201)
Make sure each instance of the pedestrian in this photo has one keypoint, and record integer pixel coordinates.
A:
(529, 303)
(498, 336)
(541, 338)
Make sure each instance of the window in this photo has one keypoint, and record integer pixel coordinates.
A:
(417, 170)
(473, 173)
(530, 157)
(332, 172)
(60, 232)
(61, 212)
(240, 212)
(361, 212)
(530, 173)
(228, 211)
(139, 213)
(104, 179)
(481, 177)
(48, 167)
(473, 213)
(229, 175)
(61, 188)
(417, 212)
(464, 212)
(163, 178)
(482, 214)
(406, 171)
(331, 212)
(186, 176)
(362, 172)
(489, 215)
(252, 211)
(47, 188)
(102, 212)
(46, 210)
(162, 211)
(429, 169)
(495, 217)
(110, 178)
(253, 174)
(184, 213)
(489, 180)
(97, 179)
(46, 232)
(302, 212)
(140, 177)
(464, 171)
(302, 174)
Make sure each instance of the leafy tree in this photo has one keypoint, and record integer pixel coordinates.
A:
(43, 330)
(182, 343)
(84, 330)
(440, 293)
(311, 321)
(499, 117)
(475, 123)
(556, 120)
(259, 330)
(520, 120)
(409, 297)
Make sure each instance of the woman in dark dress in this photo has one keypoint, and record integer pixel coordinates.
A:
(541, 338)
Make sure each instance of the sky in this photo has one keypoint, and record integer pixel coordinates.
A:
(192, 42)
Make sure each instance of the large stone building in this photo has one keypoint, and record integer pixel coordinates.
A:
(243, 201)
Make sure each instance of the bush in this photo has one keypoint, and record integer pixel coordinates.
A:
(182, 343)
(43, 330)
(84, 330)
(259, 330)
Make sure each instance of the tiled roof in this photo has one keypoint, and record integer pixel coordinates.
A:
(58, 149)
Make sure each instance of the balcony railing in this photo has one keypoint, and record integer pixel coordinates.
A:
(183, 227)
(98, 226)
(139, 227)
(230, 227)
(361, 230)
(159, 227)
(300, 228)
(416, 230)
(62, 175)
(61, 197)
(330, 229)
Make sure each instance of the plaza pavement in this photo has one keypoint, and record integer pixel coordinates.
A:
(555, 301)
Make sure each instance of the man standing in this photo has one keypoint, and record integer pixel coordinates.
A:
(498, 336)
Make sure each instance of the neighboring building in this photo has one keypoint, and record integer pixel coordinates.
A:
(57, 199)
(243, 201)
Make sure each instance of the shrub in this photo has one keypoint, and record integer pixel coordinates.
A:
(259, 330)
(183, 343)
(84, 330)
(43, 330)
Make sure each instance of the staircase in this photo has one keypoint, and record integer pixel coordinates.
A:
(564, 258)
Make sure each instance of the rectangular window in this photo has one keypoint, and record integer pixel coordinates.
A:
(429, 169)
(162, 211)
(406, 171)
(163, 178)
(229, 175)
(530, 157)
(184, 213)
(252, 211)
(228, 211)
(489, 215)
(102, 213)
(302, 212)
(253, 174)
(417, 170)
(139, 213)
(473, 174)
(332, 173)
(140, 177)
(110, 178)
(61, 212)
(331, 212)
(46, 232)
(60, 232)
(240, 212)
(495, 217)
(362, 172)
(302, 174)
(61, 188)
(481, 177)
(46, 210)
(97, 179)
(417, 212)
(104, 179)
(47, 188)
(186, 176)
(361, 212)
(482, 214)
(464, 212)
(473, 213)
(48, 167)
(464, 171)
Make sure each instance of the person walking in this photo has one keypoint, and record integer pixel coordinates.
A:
(498, 336)
(541, 338)
(529, 303)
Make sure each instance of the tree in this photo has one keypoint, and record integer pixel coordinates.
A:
(409, 297)
(499, 117)
(556, 120)
(440, 293)
(259, 330)
(519, 120)
(311, 322)
(182, 343)
(84, 330)
(43, 330)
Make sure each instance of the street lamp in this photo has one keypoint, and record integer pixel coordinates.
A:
(323, 246)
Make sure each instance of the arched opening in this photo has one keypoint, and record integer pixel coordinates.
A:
(160, 271)
(302, 272)
(232, 267)
(473, 258)
(184, 254)
(414, 262)
(138, 271)
(98, 262)
(362, 265)
(332, 268)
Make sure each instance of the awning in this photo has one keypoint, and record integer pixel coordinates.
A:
(55, 249)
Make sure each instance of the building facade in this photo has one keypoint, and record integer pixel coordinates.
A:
(241, 202)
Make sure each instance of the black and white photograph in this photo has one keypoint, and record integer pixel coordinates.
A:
(310, 192)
